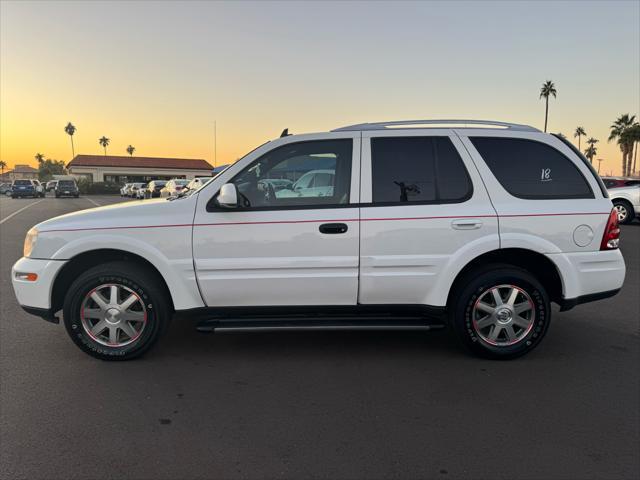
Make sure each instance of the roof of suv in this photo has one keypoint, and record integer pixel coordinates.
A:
(446, 123)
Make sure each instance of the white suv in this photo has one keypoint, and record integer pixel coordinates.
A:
(424, 224)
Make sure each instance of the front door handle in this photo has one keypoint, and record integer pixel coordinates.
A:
(466, 224)
(333, 228)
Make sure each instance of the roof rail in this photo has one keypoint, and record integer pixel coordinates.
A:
(408, 123)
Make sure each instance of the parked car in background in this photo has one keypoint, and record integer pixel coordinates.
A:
(614, 182)
(66, 188)
(24, 188)
(141, 191)
(5, 189)
(626, 201)
(197, 182)
(316, 183)
(39, 188)
(478, 228)
(173, 187)
(133, 189)
(124, 191)
(276, 183)
(51, 185)
(154, 187)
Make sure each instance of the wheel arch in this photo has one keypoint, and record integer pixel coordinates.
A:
(538, 264)
(91, 258)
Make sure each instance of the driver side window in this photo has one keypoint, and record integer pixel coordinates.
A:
(298, 175)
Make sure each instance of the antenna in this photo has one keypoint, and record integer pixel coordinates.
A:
(285, 133)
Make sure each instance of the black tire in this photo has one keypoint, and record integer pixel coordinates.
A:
(624, 206)
(475, 285)
(138, 280)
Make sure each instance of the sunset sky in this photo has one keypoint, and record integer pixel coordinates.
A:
(158, 74)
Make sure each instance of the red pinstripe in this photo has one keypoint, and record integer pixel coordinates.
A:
(331, 220)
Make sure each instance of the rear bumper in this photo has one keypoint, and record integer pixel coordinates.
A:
(24, 193)
(569, 303)
(589, 276)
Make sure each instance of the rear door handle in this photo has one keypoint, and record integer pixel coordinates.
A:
(333, 228)
(466, 224)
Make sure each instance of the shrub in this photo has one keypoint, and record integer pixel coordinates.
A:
(97, 188)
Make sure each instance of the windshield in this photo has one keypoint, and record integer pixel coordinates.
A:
(22, 182)
(66, 183)
(180, 181)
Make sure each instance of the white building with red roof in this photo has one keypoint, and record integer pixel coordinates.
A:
(123, 169)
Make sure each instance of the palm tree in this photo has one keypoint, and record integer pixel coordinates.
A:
(619, 132)
(130, 150)
(630, 137)
(548, 89)
(591, 142)
(560, 134)
(104, 141)
(71, 129)
(3, 165)
(591, 152)
(39, 158)
(579, 133)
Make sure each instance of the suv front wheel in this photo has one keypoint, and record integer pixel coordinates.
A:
(500, 312)
(116, 311)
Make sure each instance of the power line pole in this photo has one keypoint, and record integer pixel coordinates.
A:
(599, 163)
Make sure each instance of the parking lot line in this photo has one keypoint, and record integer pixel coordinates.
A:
(21, 210)
(92, 201)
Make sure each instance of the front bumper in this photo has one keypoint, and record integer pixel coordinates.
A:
(35, 296)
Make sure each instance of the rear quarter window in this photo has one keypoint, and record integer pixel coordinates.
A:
(532, 170)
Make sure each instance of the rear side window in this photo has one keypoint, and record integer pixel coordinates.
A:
(532, 170)
(417, 170)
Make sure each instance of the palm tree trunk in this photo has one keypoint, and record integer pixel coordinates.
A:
(546, 113)
(579, 147)
(627, 161)
(73, 150)
(635, 157)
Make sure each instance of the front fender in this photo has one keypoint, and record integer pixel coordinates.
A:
(174, 261)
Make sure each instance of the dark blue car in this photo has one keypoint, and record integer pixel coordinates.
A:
(23, 188)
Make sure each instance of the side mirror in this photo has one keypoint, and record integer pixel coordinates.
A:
(228, 196)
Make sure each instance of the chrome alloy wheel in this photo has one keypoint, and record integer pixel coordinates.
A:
(503, 315)
(622, 212)
(113, 315)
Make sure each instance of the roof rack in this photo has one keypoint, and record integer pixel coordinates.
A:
(408, 123)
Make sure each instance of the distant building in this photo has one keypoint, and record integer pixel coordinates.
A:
(20, 172)
(123, 169)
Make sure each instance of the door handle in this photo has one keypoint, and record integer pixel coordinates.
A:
(333, 228)
(466, 224)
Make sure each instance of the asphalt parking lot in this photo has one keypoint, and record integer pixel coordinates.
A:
(318, 404)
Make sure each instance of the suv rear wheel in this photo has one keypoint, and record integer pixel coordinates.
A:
(500, 312)
(116, 311)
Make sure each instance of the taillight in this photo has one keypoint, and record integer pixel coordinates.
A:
(611, 237)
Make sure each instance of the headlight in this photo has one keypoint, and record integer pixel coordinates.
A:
(30, 242)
